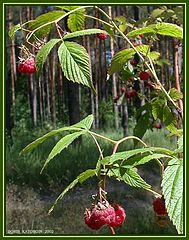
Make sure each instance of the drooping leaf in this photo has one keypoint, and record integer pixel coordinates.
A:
(44, 19)
(172, 187)
(167, 29)
(83, 124)
(13, 30)
(85, 175)
(62, 144)
(76, 20)
(169, 120)
(130, 177)
(161, 62)
(175, 94)
(180, 145)
(120, 19)
(142, 126)
(83, 33)
(80, 179)
(74, 61)
(44, 52)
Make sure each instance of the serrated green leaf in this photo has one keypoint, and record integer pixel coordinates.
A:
(83, 124)
(44, 52)
(74, 61)
(154, 55)
(13, 30)
(83, 33)
(167, 29)
(142, 125)
(76, 20)
(44, 19)
(62, 144)
(98, 167)
(122, 27)
(172, 187)
(120, 156)
(80, 179)
(175, 94)
(180, 143)
(169, 120)
(157, 108)
(85, 175)
(130, 177)
(86, 123)
(40, 140)
(120, 59)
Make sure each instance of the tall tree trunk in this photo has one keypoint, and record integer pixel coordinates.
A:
(177, 77)
(114, 80)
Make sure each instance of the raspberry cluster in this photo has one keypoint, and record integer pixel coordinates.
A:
(131, 93)
(144, 75)
(159, 206)
(27, 66)
(104, 214)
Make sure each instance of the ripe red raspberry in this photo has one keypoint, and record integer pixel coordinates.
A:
(119, 216)
(159, 206)
(101, 214)
(102, 36)
(27, 66)
(144, 75)
(157, 125)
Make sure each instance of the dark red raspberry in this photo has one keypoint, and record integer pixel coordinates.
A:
(119, 216)
(123, 89)
(102, 36)
(157, 125)
(148, 84)
(131, 93)
(27, 66)
(159, 206)
(91, 221)
(144, 75)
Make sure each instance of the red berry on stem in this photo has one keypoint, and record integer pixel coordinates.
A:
(27, 66)
(120, 216)
(159, 206)
(144, 75)
(102, 36)
(123, 89)
(133, 62)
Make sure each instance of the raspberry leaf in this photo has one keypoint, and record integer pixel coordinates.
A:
(83, 33)
(83, 124)
(80, 179)
(123, 156)
(76, 20)
(62, 144)
(44, 52)
(167, 29)
(74, 61)
(172, 187)
(129, 176)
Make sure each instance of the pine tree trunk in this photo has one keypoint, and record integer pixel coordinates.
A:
(114, 80)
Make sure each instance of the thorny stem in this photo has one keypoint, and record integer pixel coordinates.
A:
(57, 28)
(141, 57)
(98, 146)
